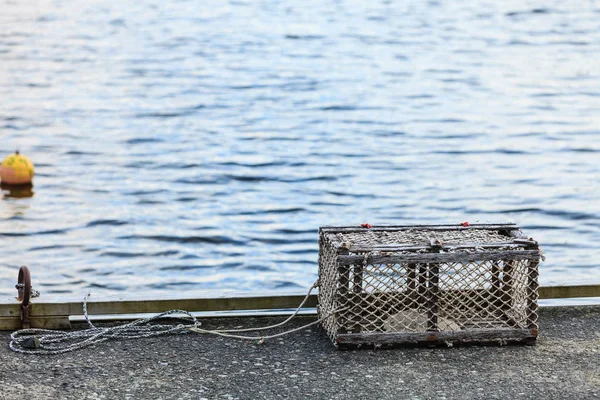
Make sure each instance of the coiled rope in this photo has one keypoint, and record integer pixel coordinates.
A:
(49, 342)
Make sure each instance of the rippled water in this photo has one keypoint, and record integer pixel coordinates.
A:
(198, 146)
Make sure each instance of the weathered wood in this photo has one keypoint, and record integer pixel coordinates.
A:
(569, 292)
(45, 322)
(411, 281)
(422, 287)
(139, 304)
(53, 306)
(61, 307)
(496, 283)
(526, 242)
(441, 258)
(391, 228)
(433, 297)
(480, 335)
(532, 293)
(358, 309)
(413, 247)
(507, 285)
(342, 293)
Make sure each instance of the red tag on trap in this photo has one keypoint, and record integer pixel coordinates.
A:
(465, 223)
(368, 226)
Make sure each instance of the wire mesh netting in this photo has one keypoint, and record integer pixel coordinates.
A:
(404, 284)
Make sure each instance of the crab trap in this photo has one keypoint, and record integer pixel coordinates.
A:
(428, 284)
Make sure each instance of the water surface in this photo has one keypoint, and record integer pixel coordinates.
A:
(186, 146)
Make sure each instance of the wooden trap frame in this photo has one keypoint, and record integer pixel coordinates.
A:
(428, 284)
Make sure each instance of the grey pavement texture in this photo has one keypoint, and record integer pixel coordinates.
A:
(564, 364)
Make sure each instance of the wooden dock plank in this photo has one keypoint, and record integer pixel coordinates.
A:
(55, 309)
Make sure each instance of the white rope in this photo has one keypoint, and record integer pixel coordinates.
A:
(58, 342)
(315, 285)
(259, 339)
(49, 342)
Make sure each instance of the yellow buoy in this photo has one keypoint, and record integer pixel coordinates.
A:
(16, 169)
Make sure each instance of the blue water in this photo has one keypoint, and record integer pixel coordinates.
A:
(198, 146)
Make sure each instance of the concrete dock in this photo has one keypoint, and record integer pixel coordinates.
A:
(564, 364)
